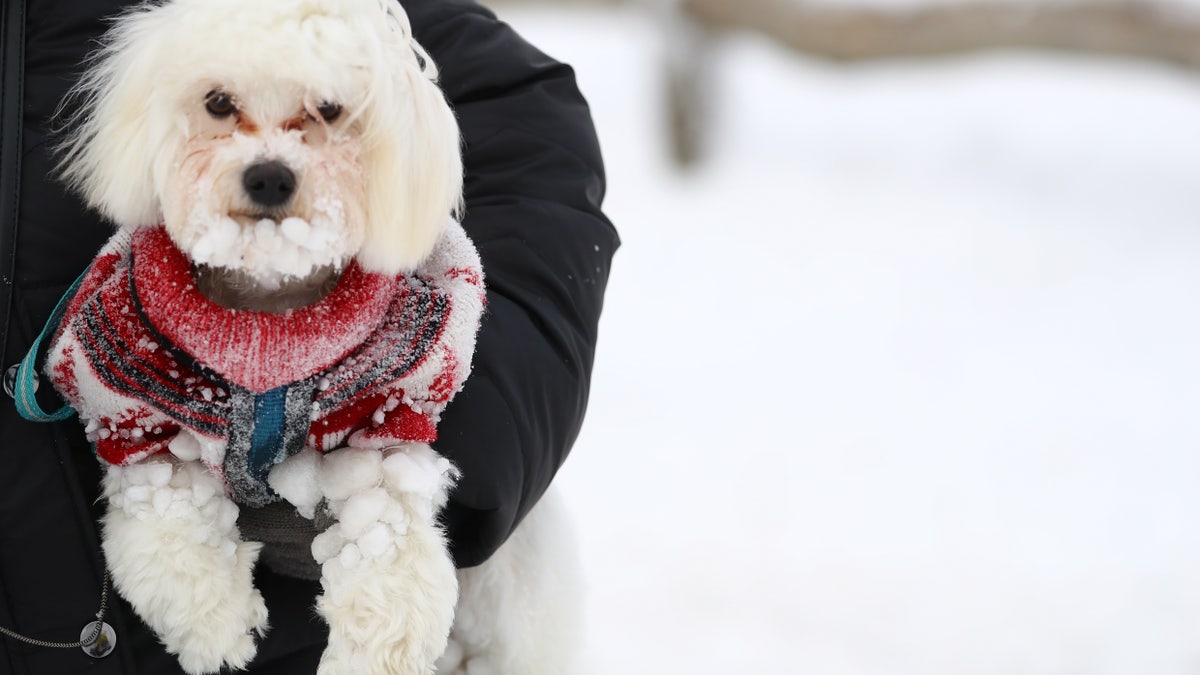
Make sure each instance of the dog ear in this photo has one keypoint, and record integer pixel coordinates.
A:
(413, 165)
(108, 149)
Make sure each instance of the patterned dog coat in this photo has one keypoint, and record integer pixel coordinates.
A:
(152, 364)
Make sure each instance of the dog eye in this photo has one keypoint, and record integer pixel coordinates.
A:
(218, 104)
(329, 111)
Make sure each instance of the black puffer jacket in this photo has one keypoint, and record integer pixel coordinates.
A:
(534, 184)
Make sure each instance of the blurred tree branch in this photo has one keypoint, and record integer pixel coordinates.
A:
(1143, 29)
(1158, 30)
(1166, 31)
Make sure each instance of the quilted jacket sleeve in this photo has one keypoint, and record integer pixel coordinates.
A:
(534, 184)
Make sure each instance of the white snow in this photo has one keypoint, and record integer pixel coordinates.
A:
(184, 446)
(295, 479)
(905, 379)
(349, 472)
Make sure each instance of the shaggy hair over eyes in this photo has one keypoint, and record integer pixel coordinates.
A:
(126, 122)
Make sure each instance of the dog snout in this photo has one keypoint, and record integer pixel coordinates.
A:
(269, 183)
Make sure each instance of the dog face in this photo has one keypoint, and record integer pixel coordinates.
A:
(267, 181)
(275, 138)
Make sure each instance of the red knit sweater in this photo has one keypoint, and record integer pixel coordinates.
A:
(144, 356)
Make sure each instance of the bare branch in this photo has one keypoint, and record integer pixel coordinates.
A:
(844, 33)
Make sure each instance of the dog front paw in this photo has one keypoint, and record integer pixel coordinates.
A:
(391, 614)
(390, 585)
(172, 545)
(223, 636)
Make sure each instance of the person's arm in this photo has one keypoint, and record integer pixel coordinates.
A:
(534, 183)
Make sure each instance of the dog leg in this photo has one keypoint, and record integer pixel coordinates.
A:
(172, 545)
(520, 611)
(389, 581)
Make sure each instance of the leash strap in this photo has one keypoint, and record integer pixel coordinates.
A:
(25, 386)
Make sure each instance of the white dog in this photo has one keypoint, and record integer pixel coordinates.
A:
(283, 172)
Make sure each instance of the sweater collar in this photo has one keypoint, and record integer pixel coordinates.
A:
(257, 350)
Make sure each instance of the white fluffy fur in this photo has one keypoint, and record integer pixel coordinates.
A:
(173, 547)
(385, 552)
(518, 613)
(176, 555)
(375, 184)
(141, 117)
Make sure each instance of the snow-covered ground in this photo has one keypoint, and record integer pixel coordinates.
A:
(905, 379)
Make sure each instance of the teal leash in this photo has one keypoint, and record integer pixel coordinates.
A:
(97, 638)
(25, 386)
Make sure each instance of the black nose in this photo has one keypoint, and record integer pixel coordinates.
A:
(269, 183)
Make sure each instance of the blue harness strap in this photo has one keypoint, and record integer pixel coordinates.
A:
(265, 428)
(266, 440)
(25, 385)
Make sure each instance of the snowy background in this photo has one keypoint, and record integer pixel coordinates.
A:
(905, 378)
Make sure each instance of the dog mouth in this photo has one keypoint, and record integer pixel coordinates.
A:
(238, 289)
(253, 218)
(267, 260)
(274, 229)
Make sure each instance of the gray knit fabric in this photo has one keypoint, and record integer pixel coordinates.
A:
(286, 536)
